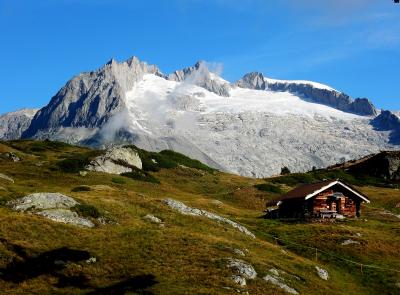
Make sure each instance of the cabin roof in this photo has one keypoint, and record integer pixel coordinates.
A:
(307, 191)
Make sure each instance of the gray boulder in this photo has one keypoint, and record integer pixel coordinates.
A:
(42, 201)
(322, 273)
(242, 268)
(53, 206)
(186, 210)
(65, 216)
(116, 160)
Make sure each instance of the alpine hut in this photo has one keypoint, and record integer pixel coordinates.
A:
(330, 198)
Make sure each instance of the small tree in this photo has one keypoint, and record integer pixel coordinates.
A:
(285, 171)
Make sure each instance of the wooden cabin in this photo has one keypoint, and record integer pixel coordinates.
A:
(326, 199)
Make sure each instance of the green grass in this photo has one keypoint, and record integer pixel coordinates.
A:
(268, 187)
(188, 255)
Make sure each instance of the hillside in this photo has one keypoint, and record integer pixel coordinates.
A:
(186, 254)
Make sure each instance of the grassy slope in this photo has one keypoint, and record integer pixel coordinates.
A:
(187, 255)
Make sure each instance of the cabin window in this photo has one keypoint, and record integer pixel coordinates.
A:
(349, 202)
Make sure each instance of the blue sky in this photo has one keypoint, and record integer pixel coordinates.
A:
(352, 45)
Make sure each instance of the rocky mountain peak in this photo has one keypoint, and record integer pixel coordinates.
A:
(253, 80)
(200, 75)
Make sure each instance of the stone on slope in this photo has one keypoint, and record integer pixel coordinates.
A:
(350, 242)
(10, 156)
(65, 216)
(116, 160)
(186, 210)
(242, 268)
(241, 281)
(3, 176)
(43, 201)
(279, 282)
(53, 206)
(152, 218)
(322, 273)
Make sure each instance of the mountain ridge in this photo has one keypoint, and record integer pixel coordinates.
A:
(251, 127)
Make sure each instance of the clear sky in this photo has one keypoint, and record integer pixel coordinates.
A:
(351, 45)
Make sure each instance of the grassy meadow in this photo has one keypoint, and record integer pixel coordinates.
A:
(188, 254)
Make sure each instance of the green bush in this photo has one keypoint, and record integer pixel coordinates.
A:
(81, 188)
(86, 210)
(140, 175)
(77, 162)
(167, 159)
(268, 187)
(118, 180)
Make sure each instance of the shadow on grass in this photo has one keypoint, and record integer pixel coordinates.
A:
(53, 262)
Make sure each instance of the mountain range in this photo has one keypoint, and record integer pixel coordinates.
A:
(252, 127)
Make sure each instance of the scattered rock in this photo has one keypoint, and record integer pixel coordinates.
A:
(186, 210)
(239, 252)
(54, 206)
(323, 274)
(242, 268)
(83, 173)
(10, 156)
(43, 201)
(274, 271)
(398, 284)
(358, 235)
(279, 282)
(217, 203)
(350, 242)
(91, 260)
(39, 164)
(116, 160)
(3, 176)
(153, 219)
(65, 216)
(239, 280)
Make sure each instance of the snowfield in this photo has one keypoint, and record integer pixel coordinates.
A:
(252, 132)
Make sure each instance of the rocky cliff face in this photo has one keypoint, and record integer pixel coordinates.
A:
(13, 124)
(91, 99)
(384, 164)
(200, 75)
(327, 96)
(388, 121)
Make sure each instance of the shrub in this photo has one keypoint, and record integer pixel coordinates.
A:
(118, 180)
(76, 163)
(81, 188)
(86, 210)
(285, 171)
(268, 187)
(140, 175)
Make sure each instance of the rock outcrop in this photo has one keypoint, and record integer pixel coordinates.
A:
(8, 178)
(322, 273)
(254, 80)
(53, 206)
(90, 99)
(186, 210)
(13, 124)
(388, 121)
(116, 160)
(200, 75)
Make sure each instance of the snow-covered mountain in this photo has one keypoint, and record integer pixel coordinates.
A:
(252, 127)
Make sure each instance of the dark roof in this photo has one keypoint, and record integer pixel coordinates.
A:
(302, 191)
